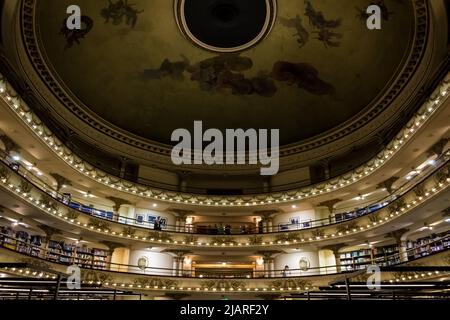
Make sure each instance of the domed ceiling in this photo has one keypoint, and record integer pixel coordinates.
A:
(318, 68)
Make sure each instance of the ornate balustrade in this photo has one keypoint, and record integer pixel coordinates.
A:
(34, 196)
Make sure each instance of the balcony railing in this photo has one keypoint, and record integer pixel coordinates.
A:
(333, 219)
(25, 248)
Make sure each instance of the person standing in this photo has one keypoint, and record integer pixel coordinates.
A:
(286, 272)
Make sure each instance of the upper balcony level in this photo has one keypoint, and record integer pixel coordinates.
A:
(423, 130)
(427, 189)
(364, 102)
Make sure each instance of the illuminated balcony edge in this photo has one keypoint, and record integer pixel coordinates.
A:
(433, 185)
(24, 113)
(148, 282)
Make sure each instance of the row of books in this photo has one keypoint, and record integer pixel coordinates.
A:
(360, 259)
(428, 245)
(60, 252)
(83, 256)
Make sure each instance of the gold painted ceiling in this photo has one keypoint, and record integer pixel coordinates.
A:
(318, 69)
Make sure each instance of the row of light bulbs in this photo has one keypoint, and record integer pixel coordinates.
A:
(416, 276)
(173, 288)
(52, 142)
(29, 272)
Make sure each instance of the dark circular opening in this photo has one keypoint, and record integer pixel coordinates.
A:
(225, 12)
(226, 24)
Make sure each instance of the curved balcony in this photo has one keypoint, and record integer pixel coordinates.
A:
(159, 279)
(430, 186)
(335, 219)
(18, 107)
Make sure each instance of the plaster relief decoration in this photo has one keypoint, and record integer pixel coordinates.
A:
(92, 276)
(148, 282)
(142, 263)
(304, 264)
(291, 283)
(37, 264)
(225, 284)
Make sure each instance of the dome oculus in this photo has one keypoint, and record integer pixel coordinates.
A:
(225, 25)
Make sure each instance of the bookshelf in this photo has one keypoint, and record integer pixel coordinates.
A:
(7, 232)
(100, 258)
(53, 251)
(428, 245)
(83, 257)
(57, 251)
(360, 259)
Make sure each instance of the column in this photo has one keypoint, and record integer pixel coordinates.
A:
(264, 225)
(183, 224)
(269, 262)
(178, 261)
(175, 266)
(338, 261)
(181, 218)
(49, 232)
(403, 251)
(269, 225)
(335, 249)
(272, 267)
(180, 266)
(266, 216)
(130, 214)
(325, 210)
(266, 267)
(177, 225)
(118, 202)
(112, 246)
(401, 243)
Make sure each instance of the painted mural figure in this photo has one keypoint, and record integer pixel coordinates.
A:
(174, 70)
(317, 18)
(302, 34)
(225, 72)
(328, 37)
(323, 27)
(118, 11)
(74, 36)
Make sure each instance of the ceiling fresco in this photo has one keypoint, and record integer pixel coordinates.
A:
(318, 68)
